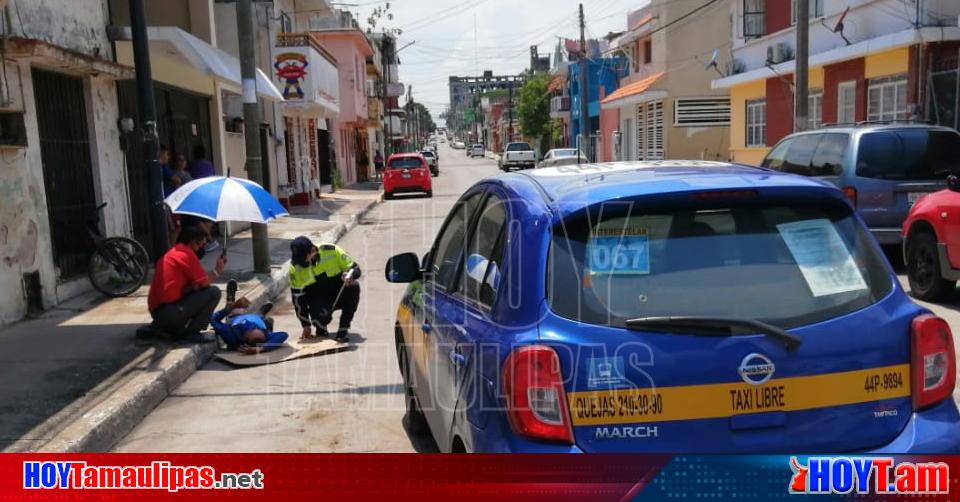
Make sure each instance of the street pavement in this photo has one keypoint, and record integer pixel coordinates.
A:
(345, 402)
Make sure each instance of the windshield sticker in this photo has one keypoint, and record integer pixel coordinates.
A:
(619, 251)
(823, 258)
(605, 372)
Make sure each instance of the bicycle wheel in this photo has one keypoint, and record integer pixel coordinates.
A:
(118, 267)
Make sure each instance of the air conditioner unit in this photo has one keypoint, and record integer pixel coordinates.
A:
(778, 53)
(735, 66)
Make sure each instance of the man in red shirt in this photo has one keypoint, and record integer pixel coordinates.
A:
(182, 298)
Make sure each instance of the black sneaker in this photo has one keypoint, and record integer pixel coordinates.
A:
(342, 335)
(321, 331)
(266, 308)
(231, 291)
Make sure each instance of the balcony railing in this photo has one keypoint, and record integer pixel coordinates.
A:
(304, 39)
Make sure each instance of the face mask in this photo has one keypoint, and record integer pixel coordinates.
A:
(201, 253)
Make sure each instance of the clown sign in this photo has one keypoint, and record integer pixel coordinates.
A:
(291, 70)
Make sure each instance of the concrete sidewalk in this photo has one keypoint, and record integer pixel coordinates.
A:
(76, 378)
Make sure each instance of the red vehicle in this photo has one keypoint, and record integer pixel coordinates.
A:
(406, 172)
(931, 243)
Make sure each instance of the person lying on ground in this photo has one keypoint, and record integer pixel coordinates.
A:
(245, 332)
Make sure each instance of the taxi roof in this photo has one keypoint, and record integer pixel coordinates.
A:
(584, 184)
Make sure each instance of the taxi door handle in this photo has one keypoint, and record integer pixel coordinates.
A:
(457, 358)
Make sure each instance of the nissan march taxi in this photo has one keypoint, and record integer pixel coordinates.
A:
(667, 307)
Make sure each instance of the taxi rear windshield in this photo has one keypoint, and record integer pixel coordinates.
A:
(788, 265)
(407, 163)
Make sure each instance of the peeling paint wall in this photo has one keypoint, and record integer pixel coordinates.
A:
(25, 239)
(75, 24)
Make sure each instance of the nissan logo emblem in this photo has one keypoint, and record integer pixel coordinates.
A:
(756, 369)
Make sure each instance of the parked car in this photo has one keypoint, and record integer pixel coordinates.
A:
(883, 168)
(931, 243)
(476, 150)
(432, 161)
(406, 172)
(563, 157)
(518, 155)
(604, 326)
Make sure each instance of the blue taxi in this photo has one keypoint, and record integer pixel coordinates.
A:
(667, 307)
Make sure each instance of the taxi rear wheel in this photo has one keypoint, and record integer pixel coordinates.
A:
(923, 269)
(414, 420)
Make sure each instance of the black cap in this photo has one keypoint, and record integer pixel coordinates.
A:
(299, 249)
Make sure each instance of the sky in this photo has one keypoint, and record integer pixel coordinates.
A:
(464, 38)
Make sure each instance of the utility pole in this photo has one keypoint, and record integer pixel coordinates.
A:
(801, 112)
(251, 123)
(148, 118)
(510, 110)
(584, 92)
(384, 59)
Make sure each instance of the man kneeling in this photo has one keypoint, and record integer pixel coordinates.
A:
(323, 280)
(182, 298)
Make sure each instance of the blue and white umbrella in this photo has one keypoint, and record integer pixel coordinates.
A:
(220, 198)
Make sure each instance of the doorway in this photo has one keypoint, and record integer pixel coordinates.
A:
(67, 169)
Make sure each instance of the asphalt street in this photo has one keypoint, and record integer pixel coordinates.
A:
(345, 402)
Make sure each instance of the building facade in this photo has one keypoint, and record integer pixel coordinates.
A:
(295, 139)
(340, 34)
(666, 107)
(868, 61)
(61, 149)
(603, 78)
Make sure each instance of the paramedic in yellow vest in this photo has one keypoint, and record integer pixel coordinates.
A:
(323, 280)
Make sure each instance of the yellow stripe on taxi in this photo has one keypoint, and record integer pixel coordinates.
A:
(693, 402)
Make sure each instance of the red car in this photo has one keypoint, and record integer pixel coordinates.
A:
(931, 243)
(406, 172)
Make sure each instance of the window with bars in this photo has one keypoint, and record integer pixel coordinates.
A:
(754, 18)
(688, 112)
(847, 102)
(815, 6)
(757, 123)
(815, 109)
(887, 98)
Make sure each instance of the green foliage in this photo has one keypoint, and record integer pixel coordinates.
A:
(533, 109)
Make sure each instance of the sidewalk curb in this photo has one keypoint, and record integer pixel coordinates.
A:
(104, 425)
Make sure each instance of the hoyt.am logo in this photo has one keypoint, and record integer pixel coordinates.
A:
(878, 475)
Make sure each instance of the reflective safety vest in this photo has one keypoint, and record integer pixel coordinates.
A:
(331, 261)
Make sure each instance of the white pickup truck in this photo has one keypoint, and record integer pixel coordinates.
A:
(518, 155)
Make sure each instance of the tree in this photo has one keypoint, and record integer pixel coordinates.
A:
(383, 15)
(533, 109)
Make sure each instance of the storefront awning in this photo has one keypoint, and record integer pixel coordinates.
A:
(636, 92)
(200, 55)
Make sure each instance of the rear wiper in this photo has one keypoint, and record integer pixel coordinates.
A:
(714, 326)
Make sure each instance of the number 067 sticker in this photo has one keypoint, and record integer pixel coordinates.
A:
(619, 251)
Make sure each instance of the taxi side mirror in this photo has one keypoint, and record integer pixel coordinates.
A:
(403, 269)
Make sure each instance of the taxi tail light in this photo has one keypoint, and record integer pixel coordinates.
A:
(933, 362)
(536, 403)
(851, 194)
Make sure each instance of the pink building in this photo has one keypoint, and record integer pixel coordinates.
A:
(351, 48)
